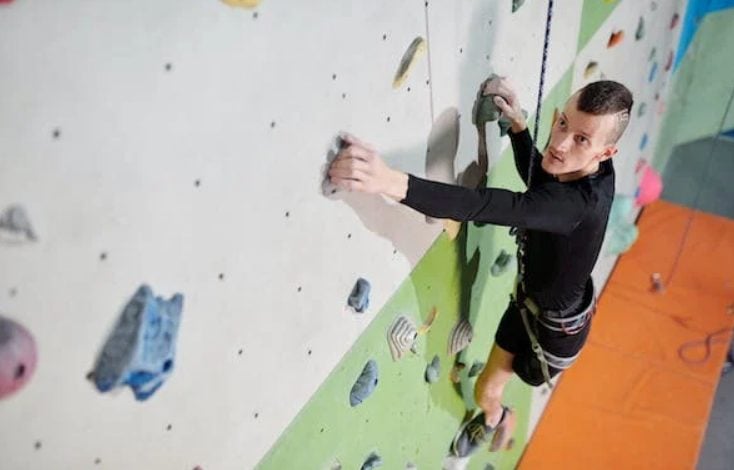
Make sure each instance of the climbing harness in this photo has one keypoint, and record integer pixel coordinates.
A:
(531, 314)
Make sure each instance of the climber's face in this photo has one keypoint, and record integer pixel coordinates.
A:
(578, 143)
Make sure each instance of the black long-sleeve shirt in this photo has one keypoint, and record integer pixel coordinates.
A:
(564, 222)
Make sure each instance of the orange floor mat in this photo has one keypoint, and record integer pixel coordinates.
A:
(631, 401)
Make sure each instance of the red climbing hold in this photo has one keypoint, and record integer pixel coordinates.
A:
(17, 356)
(674, 21)
(5, 1)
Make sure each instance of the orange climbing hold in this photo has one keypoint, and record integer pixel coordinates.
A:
(242, 3)
(615, 38)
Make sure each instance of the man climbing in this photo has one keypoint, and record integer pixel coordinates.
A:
(561, 218)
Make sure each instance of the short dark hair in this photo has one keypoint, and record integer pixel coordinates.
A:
(607, 97)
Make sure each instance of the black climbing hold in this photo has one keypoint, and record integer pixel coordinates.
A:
(169, 66)
(197, 183)
(57, 133)
(272, 124)
(103, 256)
(169, 427)
(37, 445)
(221, 276)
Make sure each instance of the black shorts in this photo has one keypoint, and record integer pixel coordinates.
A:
(512, 337)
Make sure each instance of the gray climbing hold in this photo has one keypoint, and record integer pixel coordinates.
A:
(516, 4)
(502, 263)
(365, 384)
(485, 110)
(15, 221)
(460, 336)
(476, 368)
(505, 124)
(433, 370)
(359, 299)
(641, 110)
(373, 461)
(401, 336)
(640, 32)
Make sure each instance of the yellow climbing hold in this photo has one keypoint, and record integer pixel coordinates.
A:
(423, 329)
(242, 3)
(416, 49)
(452, 228)
(591, 68)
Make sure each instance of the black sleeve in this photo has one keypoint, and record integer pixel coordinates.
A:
(522, 147)
(549, 207)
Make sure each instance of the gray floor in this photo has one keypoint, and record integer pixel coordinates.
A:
(717, 452)
(700, 174)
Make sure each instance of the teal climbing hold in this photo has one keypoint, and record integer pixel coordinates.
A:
(640, 33)
(502, 263)
(373, 461)
(476, 368)
(433, 370)
(365, 384)
(516, 4)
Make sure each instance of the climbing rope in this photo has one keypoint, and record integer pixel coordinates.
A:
(519, 295)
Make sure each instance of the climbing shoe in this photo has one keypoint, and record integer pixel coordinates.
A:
(475, 433)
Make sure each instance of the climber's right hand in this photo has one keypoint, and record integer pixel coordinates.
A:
(506, 98)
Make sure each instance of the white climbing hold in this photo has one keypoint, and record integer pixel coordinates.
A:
(401, 336)
(460, 336)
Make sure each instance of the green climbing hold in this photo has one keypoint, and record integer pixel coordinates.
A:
(484, 108)
(516, 4)
(641, 110)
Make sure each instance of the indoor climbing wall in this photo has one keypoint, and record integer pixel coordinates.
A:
(177, 272)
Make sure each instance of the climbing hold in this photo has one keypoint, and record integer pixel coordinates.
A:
(653, 72)
(516, 4)
(502, 263)
(640, 32)
(401, 336)
(416, 49)
(653, 52)
(460, 336)
(329, 189)
(650, 186)
(455, 374)
(674, 20)
(476, 368)
(15, 223)
(411, 466)
(452, 228)
(365, 384)
(643, 141)
(621, 232)
(242, 3)
(485, 109)
(426, 326)
(615, 38)
(591, 68)
(656, 282)
(641, 109)
(359, 299)
(505, 124)
(433, 370)
(140, 351)
(18, 356)
(373, 461)
(669, 62)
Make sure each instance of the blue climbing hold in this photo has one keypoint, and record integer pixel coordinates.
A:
(141, 349)
(653, 72)
(365, 384)
(359, 299)
(643, 141)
